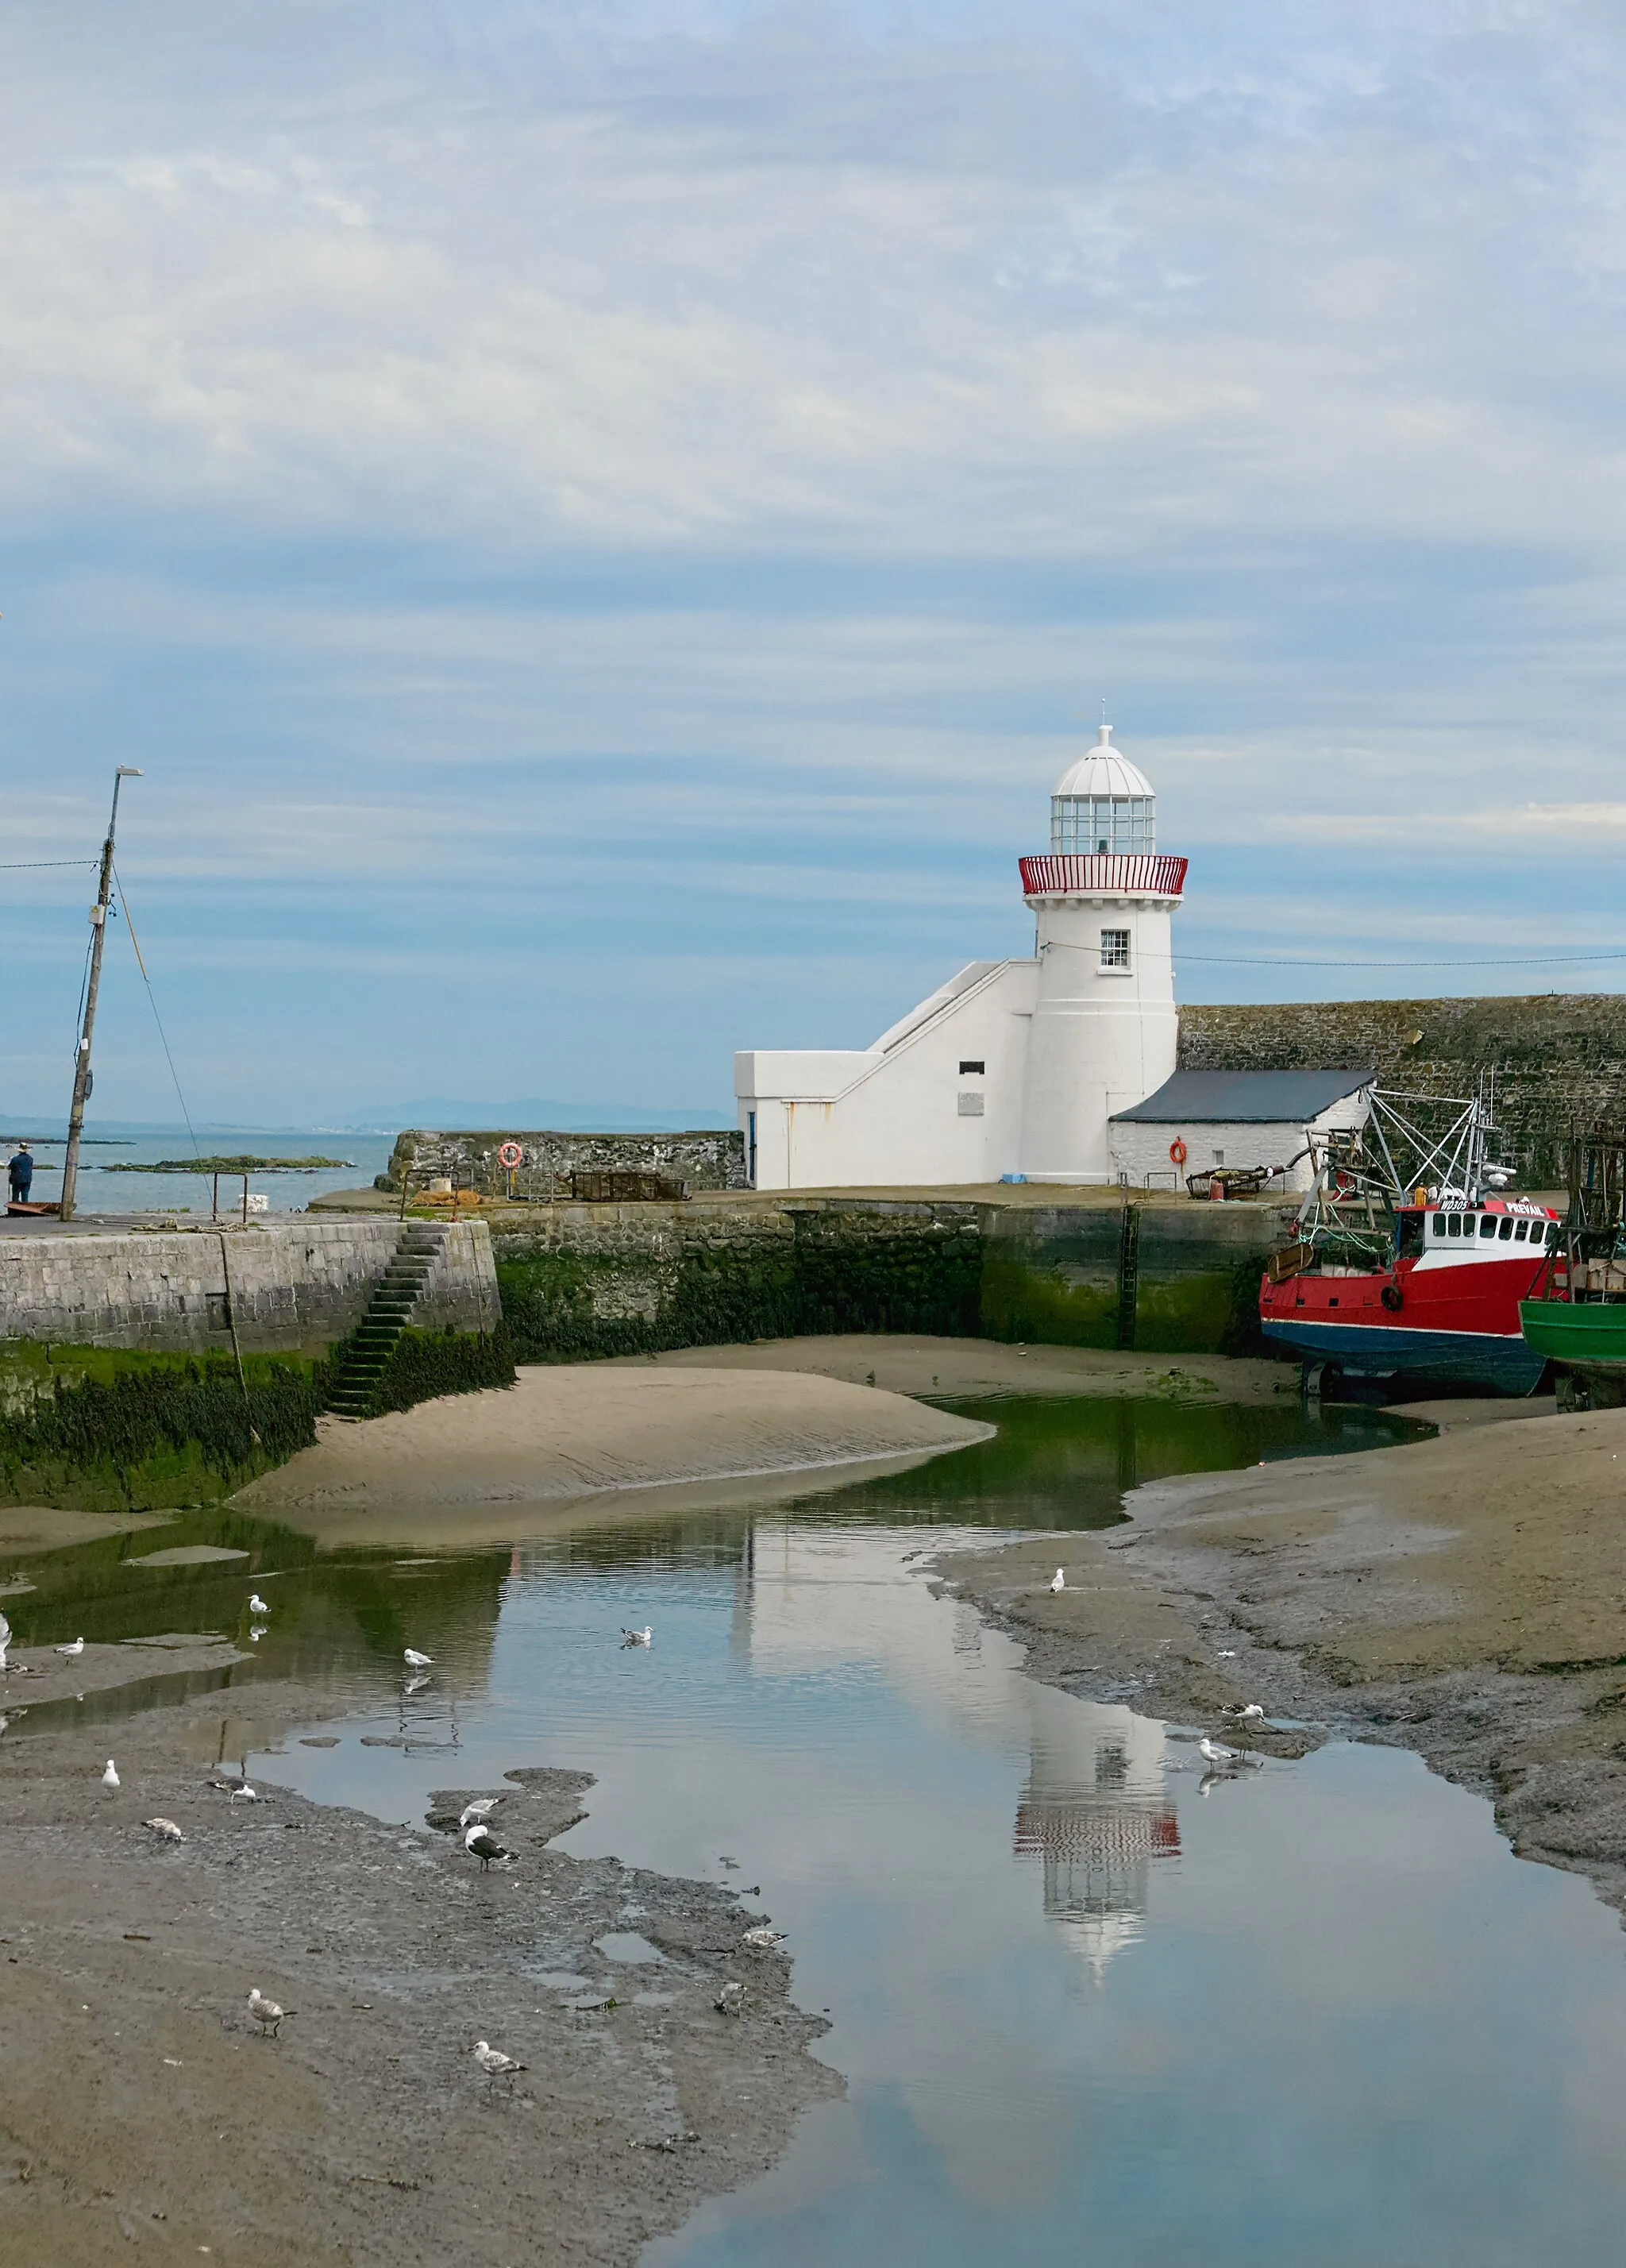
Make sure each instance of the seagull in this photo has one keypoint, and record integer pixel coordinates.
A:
(110, 1777)
(481, 1843)
(256, 1604)
(234, 1788)
(1216, 1752)
(265, 2012)
(480, 1809)
(495, 2063)
(1226, 1652)
(414, 1660)
(1058, 1582)
(165, 1829)
(5, 1641)
(1251, 1714)
(72, 1652)
(637, 1637)
(762, 1940)
(730, 2001)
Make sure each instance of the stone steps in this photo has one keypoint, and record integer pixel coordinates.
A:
(389, 1310)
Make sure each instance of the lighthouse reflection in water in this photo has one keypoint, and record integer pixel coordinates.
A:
(1096, 1818)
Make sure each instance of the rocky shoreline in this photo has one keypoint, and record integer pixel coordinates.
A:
(142, 2111)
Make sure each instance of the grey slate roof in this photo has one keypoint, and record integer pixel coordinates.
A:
(1232, 1098)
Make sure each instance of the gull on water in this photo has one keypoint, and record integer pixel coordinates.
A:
(256, 1633)
(265, 2012)
(481, 1809)
(495, 2063)
(417, 1685)
(165, 1829)
(481, 1843)
(1218, 1753)
(256, 1604)
(637, 1637)
(414, 1660)
(1058, 1582)
(110, 1777)
(72, 1652)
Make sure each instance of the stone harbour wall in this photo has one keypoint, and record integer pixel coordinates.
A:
(1559, 1057)
(290, 1286)
(707, 1159)
(591, 1280)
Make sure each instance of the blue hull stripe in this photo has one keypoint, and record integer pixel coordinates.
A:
(1479, 1358)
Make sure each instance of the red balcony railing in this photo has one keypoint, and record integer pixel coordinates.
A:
(1132, 873)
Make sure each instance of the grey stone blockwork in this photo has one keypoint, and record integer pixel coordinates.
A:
(292, 1287)
(707, 1159)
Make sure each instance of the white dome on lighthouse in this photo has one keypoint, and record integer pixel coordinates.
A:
(1103, 803)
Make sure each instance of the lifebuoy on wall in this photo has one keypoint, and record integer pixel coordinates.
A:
(509, 1155)
(1177, 1150)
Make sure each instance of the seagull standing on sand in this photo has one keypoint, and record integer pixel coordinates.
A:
(495, 2063)
(481, 1843)
(637, 1637)
(256, 1604)
(265, 2012)
(414, 1660)
(165, 1829)
(72, 1652)
(110, 1777)
(1058, 1582)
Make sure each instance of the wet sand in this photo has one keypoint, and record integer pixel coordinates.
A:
(962, 1368)
(146, 2119)
(1464, 1596)
(488, 1464)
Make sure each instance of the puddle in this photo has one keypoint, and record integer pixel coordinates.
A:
(627, 1945)
(1091, 2003)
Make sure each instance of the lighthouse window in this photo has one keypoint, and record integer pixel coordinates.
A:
(1115, 948)
(972, 1070)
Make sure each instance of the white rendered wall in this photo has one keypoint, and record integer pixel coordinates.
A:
(901, 1113)
(1140, 1151)
(1102, 1039)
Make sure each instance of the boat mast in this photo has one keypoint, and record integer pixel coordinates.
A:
(82, 1059)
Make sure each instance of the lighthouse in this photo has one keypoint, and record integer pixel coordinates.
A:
(1012, 1069)
(1105, 1029)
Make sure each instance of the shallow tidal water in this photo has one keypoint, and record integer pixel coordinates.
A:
(1090, 2004)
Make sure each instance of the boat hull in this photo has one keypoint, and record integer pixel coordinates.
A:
(1502, 1362)
(1589, 1336)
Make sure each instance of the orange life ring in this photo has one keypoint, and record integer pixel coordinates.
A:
(1177, 1150)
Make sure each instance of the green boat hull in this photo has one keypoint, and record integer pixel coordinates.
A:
(1588, 1336)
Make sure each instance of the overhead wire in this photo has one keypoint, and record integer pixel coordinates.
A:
(157, 1019)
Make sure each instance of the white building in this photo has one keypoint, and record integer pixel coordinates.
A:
(1013, 1067)
(1199, 1120)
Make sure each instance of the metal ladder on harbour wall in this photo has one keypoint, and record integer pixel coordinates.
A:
(1128, 1277)
(394, 1297)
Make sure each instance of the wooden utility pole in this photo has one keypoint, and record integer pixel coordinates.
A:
(82, 1061)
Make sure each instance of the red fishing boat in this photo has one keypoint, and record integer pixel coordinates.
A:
(1411, 1256)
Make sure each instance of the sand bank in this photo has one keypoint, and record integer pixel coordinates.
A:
(482, 1464)
(908, 1363)
(144, 2120)
(1465, 1596)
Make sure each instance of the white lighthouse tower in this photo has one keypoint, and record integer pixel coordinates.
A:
(1105, 1030)
(1012, 1069)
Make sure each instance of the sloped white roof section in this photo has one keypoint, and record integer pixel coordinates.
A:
(973, 973)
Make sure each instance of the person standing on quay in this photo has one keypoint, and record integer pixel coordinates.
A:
(20, 1174)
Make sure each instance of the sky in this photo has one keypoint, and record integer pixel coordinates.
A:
(601, 522)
